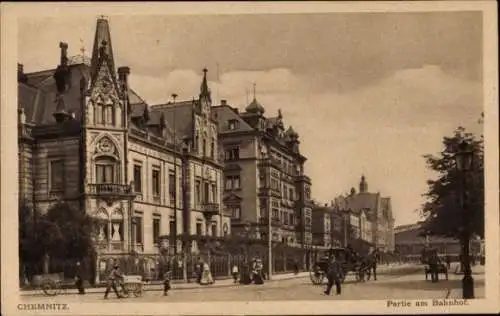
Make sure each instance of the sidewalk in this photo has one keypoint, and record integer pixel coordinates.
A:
(175, 286)
(479, 286)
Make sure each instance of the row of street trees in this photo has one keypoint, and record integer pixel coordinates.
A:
(443, 208)
(62, 234)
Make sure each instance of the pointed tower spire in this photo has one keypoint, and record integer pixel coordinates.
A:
(102, 48)
(204, 92)
(254, 93)
(363, 186)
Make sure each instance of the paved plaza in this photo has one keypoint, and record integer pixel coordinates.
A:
(411, 285)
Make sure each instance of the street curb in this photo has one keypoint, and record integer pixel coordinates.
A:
(160, 288)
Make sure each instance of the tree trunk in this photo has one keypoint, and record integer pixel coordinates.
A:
(46, 264)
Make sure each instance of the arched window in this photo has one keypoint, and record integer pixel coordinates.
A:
(110, 233)
(106, 170)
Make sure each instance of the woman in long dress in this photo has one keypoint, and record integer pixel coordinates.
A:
(206, 276)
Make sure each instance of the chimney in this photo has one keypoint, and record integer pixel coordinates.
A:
(123, 73)
(21, 77)
(223, 102)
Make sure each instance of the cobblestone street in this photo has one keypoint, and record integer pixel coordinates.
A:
(395, 286)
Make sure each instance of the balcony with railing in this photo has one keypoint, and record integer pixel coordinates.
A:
(210, 209)
(110, 189)
(111, 246)
(267, 162)
(274, 221)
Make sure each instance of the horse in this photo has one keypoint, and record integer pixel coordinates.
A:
(369, 264)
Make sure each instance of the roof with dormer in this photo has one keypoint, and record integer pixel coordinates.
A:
(225, 113)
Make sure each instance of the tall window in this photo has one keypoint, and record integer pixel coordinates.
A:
(204, 147)
(105, 170)
(206, 192)
(212, 149)
(56, 175)
(235, 212)
(290, 194)
(232, 182)
(138, 178)
(199, 229)
(232, 154)
(156, 182)
(214, 193)
(156, 230)
(103, 114)
(171, 227)
(197, 191)
(214, 229)
(138, 230)
(197, 142)
(171, 186)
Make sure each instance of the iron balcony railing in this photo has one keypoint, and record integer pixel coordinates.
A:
(109, 189)
(212, 208)
(274, 221)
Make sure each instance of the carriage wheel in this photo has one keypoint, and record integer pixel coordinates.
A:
(138, 290)
(50, 288)
(124, 292)
(316, 276)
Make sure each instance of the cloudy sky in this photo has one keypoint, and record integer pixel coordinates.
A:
(369, 93)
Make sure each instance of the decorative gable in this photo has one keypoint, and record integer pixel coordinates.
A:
(105, 90)
(232, 199)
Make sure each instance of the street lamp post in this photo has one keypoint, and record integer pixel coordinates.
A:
(463, 159)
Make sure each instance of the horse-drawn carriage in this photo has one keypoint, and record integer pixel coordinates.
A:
(318, 269)
(426, 258)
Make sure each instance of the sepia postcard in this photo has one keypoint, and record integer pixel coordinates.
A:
(264, 158)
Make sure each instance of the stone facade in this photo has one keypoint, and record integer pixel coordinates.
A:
(264, 174)
(371, 215)
(87, 138)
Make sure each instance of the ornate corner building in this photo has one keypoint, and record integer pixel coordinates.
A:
(369, 216)
(87, 138)
(265, 184)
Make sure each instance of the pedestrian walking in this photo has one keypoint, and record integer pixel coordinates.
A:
(166, 282)
(114, 278)
(433, 266)
(235, 273)
(79, 278)
(199, 270)
(206, 278)
(334, 275)
(448, 261)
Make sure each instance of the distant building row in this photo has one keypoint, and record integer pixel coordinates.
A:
(362, 219)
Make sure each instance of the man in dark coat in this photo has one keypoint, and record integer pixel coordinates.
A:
(434, 266)
(114, 278)
(79, 278)
(334, 275)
